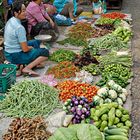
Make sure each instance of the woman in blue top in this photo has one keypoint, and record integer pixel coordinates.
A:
(68, 8)
(17, 49)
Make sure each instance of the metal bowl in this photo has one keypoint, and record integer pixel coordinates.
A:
(43, 37)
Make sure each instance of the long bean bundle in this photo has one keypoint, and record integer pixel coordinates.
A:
(107, 42)
(28, 99)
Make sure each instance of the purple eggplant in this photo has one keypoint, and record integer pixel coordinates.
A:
(76, 103)
(86, 100)
(73, 100)
(88, 113)
(79, 112)
(73, 109)
(77, 117)
(81, 102)
(88, 108)
(86, 105)
(78, 121)
(82, 116)
(78, 109)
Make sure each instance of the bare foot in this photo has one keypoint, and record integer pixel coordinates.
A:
(40, 66)
(29, 72)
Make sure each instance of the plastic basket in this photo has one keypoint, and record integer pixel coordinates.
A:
(7, 76)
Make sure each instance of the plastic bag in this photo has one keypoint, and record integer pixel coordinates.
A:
(62, 20)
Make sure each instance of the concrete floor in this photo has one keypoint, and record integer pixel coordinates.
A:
(132, 6)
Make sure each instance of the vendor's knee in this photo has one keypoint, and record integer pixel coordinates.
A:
(44, 52)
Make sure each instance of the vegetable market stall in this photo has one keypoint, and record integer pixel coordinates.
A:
(88, 104)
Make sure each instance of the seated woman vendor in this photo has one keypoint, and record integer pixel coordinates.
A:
(68, 8)
(17, 49)
(38, 19)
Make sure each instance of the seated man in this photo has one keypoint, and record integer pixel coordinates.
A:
(39, 20)
(68, 8)
(16, 48)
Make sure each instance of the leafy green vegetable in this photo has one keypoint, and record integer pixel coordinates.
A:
(77, 132)
(62, 55)
(64, 134)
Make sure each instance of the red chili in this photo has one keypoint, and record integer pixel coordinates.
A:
(114, 15)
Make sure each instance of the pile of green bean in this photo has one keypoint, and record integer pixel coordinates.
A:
(107, 42)
(29, 99)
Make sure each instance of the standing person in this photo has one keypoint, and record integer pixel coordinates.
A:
(68, 8)
(39, 20)
(16, 48)
(97, 7)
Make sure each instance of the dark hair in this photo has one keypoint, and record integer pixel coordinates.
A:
(15, 7)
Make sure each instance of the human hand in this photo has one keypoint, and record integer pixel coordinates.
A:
(30, 47)
(52, 23)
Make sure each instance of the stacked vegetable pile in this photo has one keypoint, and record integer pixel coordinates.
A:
(92, 68)
(63, 69)
(72, 88)
(114, 133)
(105, 21)
(107, 42)
(114, 15)
(84, 77)
(73, 41)
(78, 34)
(112, 92)
(85, 59)
(78, 132)
(49, 80)
(79, 107)
(27, 129)
(63, 55)
(123, 34)
(103, 30)
(107, 115)
(81, 31)
(124, 58)
(118, 73)
(28, 99)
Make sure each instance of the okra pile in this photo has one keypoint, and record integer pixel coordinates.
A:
(29, 99)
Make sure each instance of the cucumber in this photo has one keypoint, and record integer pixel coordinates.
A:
(112, 127)
(116, 137)
(116, 131)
